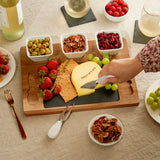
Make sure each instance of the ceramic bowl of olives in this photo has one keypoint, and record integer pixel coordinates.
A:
(39, 48)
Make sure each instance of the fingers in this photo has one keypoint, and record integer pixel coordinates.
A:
(110, 80)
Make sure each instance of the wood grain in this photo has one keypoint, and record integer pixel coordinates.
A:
(32, 99)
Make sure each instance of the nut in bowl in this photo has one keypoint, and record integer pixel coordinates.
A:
(116, 10)
(109, 41)
(39, 48)
(74, 45)
(105, 130)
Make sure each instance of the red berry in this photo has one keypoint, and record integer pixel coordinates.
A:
(47, 94)
(125, 9)
(45, 83)
(107, 6)
(120, 1)
(122, 13)
(52, 64)
(116, 14)
(4, 59)
(53, 74)
(110, 12)
(124, 5)
(112, 8)
(119, 9)
(4, 69)
(42, 70)
(115, 4)
(57, 89)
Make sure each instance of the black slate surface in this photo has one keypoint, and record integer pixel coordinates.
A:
(138, 36)
(99, 96)
(89, 17)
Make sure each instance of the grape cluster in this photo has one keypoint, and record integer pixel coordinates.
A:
(105, 60)
(153, 99)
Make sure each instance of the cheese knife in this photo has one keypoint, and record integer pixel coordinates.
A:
(92, 84)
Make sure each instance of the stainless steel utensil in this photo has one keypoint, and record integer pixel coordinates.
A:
(92, 84)
(10, 100)
(55, 129)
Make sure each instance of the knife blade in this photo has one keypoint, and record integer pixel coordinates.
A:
(92, 84)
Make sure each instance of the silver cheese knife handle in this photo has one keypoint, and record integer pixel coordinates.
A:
(101, 79)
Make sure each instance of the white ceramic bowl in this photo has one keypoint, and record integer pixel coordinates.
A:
(109, 51)
(41, 57)
(74, 54)
(116, 19)
(91, 135)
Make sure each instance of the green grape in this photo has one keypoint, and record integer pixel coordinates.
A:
(158, 93)
(90, 57)
(150, 100)
(154, 106)
(152, 94)
(106, 55)
(158, 88)
(96, 59)
(108, 86)
(105, 61)
(114, 87)
(100, 63)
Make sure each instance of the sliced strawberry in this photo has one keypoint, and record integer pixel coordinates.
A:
(45, 83)
(52, 64)
(4, 69)
(4, 59)
(57, 89)
(43, 70)
(53, 74)
(47, 94)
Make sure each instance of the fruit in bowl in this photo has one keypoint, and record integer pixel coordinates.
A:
(116, 10)
(109, 42)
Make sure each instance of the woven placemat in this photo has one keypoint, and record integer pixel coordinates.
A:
(89, 17)
(138, 36)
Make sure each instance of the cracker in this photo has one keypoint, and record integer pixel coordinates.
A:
(68, 92)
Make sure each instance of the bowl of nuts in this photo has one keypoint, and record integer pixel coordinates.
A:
(116, 10)
(105, 130)
(39, 48)
(109, 41)
(74, 45)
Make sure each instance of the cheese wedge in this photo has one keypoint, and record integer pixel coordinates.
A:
(84, 73)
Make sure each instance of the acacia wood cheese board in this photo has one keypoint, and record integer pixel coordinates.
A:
(33, 104)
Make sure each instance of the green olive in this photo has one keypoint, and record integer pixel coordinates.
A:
(30, 44)
(42, 51)
(44, 45)
(34, 53)
(46, 39)
(40, 40)
(30, 50)
(47, 44)
(48, 51)
(37, 49)
(39, 45)
(36, 41)
(34, 46)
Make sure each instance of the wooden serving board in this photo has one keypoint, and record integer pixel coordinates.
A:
(33, 102)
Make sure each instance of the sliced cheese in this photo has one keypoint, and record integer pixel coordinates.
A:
(84, 73)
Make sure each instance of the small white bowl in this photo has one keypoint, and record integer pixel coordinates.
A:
(116, 19)
(109, 51)
(74, 54)
(41, 57)
(91, 135)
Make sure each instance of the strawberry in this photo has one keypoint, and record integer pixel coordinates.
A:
(53, 74)
(57, 89)
(45, 83)
(43, 70)
(52, 64)
(4, 59)
(47, 94)
(4, 69)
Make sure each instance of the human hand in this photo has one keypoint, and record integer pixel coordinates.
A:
(122, 69)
